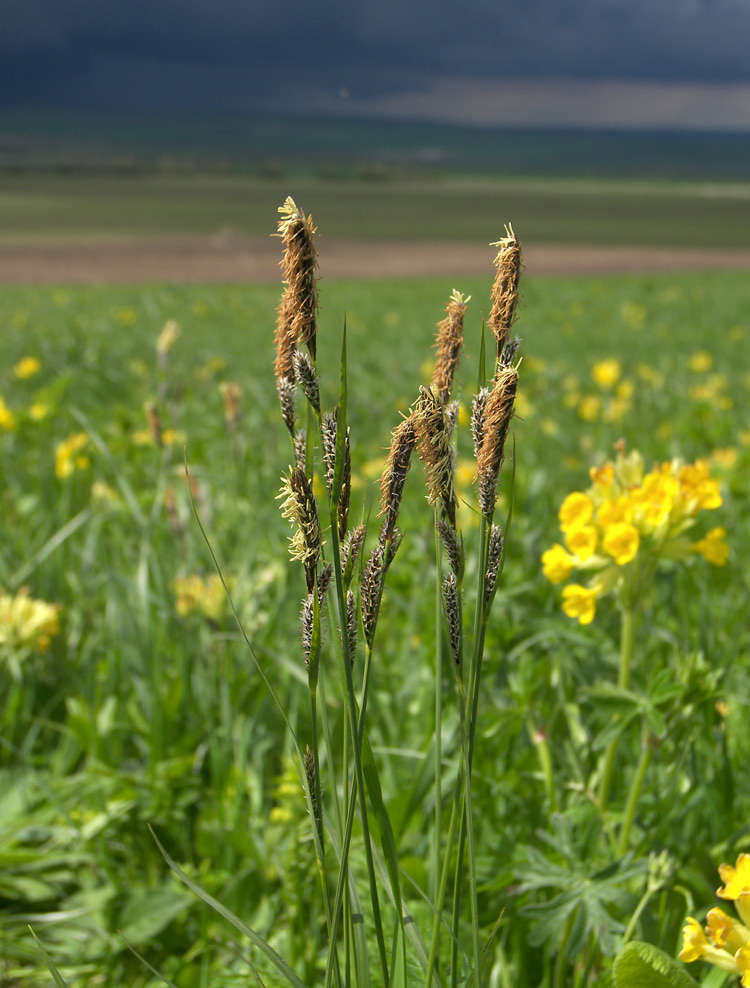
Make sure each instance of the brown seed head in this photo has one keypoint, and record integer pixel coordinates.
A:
(450, 333)
(350, 549)
(496, 422)
(351, 624)
(231, 394)
(304, 371)
(393, 478)
(306, 628)
(370, 592)
(310, 775)
(453, 546)
(154, 422)
(435, 451)
(494, 559)
(505, 287)
(453, 616)
(284, 339)
(346, 488)
(300, 448)
(300, 507)
(298, 267)
(285, 387)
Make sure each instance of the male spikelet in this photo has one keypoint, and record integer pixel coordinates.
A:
(393, 478)
(435, 451)
(299, 506)
(505, 288)
(300, 303)
(498, 412)
(450, 334)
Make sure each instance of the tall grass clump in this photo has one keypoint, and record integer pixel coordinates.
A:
(371, 922)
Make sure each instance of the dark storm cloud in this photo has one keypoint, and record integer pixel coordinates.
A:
(265, 52)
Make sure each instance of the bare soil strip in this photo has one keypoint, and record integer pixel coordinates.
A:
(255, 259)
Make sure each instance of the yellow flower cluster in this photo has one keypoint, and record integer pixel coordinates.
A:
(69, 455)
(724, 941)
(26, 622)
(196, 595)
(630, 516)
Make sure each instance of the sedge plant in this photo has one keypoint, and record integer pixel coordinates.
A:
(369, 912)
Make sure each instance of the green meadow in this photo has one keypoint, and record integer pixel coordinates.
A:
(640, 211)
(136, 703)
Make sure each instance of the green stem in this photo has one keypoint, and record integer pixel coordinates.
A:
(627, 638)
(558, 975)
(636, 787)
(539, 740)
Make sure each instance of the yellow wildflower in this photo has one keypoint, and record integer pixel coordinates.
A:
(602, 477)
(713, 547)
(582, 541)
(589, 408)
(26, 622)
(654, 499)
(736, 880)
(615, 511)
(621, 541)
(699, 488)
(68, 456)
(700, 361)
(38, 411)
(173, 437)
(726, 457)
(557, 564)
(580, 602)
(606, 373)
(694, 941)
(576, 510)
(625, 389)
(193, 594)
(464, 474)
(723, 931)
(27, 367)
(7, 418)
(167, 337)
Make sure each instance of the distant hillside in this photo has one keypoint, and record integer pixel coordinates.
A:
(67, 140)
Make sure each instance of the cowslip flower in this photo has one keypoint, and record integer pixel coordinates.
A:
(626, 523)
(195, 594)
(724, 941)
(27, 367)
(607, 373)
(7, 418)
(69, 455)
(26, 625)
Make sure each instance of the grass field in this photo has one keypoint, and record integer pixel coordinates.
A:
(145, 707)
(559, 211)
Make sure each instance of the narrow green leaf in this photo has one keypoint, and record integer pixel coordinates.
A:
(482, 376)
(641, 965)
(145, 963)
(255, 938)
(338, 469)
(48, 548)
(56, 976)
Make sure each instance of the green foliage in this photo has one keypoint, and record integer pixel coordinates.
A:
(140, 714)
(640, 965)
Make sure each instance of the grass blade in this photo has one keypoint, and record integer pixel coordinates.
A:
(255, 938)
(56, 976)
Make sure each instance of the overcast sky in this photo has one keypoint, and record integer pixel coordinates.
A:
(682, 63)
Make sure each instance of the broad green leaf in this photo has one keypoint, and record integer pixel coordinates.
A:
(148, 911)
(641, 965)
